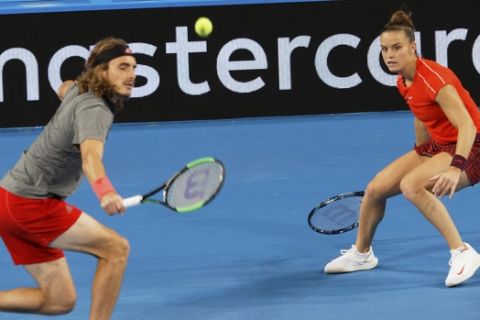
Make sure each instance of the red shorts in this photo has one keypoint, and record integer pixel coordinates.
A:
(472, 170)
(28, 226)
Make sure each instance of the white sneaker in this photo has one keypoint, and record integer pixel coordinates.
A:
(352, 260)
(463, 265)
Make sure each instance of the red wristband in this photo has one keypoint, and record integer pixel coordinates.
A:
(459, 162)
(102, 186)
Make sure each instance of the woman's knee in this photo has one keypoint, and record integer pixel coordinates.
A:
(375, 191)
(410, 187)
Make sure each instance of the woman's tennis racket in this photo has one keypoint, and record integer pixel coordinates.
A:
(337, 214)
(190, 189)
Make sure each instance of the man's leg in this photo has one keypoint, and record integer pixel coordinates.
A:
(89, 236)
(55, 293)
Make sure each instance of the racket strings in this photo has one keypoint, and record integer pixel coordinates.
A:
(195, 186)
(337, 215)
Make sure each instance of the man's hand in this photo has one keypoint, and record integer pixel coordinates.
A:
(112, 204)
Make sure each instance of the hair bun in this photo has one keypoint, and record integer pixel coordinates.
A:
(402, 18)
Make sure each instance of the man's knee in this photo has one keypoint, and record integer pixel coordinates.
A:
(118, 247)
(61, 302)
(64, 306)
(123, 247)
(56, 291)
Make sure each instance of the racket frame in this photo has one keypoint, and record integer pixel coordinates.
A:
(327, 202)
(145, 198)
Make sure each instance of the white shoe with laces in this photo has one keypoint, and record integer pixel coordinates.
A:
(463, 265)
(352, 260)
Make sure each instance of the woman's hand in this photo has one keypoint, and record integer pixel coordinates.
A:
(446, 182)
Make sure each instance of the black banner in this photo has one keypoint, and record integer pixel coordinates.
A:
(260, 60)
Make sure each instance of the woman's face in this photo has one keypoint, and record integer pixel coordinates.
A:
(397, 50)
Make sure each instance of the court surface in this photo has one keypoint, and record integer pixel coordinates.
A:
(250, 254)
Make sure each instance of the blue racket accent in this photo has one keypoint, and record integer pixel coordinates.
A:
(337, 214)
(190, 189)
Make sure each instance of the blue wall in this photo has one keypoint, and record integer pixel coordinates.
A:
(37, 6)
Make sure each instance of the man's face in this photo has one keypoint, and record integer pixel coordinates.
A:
(121, 74)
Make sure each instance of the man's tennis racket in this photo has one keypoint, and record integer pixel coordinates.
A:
(337, 214)
(190, 189)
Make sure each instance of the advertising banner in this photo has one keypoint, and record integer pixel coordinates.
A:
(259, 60)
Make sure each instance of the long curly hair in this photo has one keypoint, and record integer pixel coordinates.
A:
(92, 78)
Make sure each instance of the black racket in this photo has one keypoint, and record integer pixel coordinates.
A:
(190, 189)
(337, 214)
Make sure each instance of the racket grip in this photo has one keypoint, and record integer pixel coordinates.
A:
(132, 201)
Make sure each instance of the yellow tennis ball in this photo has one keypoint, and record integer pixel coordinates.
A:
(203, 27)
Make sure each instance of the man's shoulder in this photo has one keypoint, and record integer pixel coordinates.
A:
(89, 97)
(86, 100)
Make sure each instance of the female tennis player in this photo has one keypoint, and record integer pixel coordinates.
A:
(36, 224)
(445, 158)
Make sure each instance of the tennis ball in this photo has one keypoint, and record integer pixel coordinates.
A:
(203, 27)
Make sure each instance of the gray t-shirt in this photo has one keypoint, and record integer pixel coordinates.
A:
(52, 166)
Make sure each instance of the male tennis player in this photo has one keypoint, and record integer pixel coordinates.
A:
(36, 224)
(444, 160)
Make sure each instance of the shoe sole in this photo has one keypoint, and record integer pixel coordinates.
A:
(362, 267)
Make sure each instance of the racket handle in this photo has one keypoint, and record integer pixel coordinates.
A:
(132, 201)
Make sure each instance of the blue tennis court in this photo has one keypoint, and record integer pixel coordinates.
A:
(250, 254)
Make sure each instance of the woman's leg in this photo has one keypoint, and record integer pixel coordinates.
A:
(385, 185)
(416, 187)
